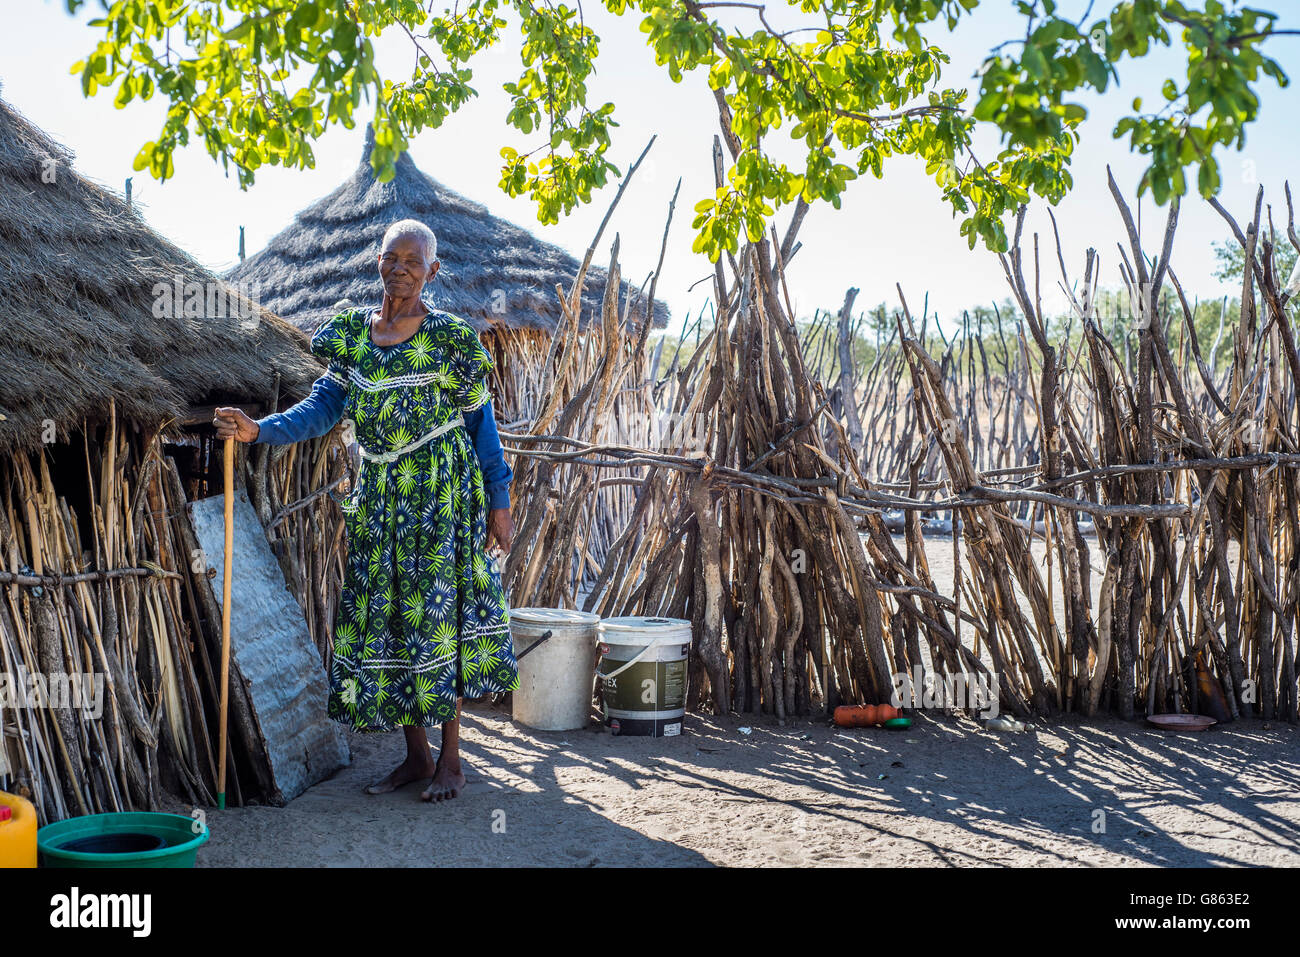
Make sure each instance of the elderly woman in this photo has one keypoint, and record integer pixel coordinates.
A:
(422, 621)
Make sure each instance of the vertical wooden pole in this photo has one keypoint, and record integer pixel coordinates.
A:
(228, 465)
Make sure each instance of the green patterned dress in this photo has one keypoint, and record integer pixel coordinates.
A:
(422, 619)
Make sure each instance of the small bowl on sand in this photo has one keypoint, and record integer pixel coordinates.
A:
(1181, 722)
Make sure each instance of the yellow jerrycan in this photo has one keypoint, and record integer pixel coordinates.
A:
(17, 831)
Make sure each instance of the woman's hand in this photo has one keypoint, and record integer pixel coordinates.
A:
(233, 423)
(501, 528)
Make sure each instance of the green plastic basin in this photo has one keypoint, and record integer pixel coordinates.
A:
(134, 839)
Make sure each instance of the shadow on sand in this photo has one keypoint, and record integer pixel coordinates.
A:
(944, 792)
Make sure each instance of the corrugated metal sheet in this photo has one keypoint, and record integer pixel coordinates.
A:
(274, 652)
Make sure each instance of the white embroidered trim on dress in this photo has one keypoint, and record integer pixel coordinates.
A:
(474, 407)
(396, 382)
(394, 454)
(357, 666)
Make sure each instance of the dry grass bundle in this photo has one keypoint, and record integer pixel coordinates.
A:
(84, 278)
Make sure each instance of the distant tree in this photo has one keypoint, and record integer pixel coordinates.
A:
(1230, 259)
(856, 81)
(1213, 319)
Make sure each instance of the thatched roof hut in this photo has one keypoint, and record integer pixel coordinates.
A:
(118, 345)
(103, 308)
(494, 274)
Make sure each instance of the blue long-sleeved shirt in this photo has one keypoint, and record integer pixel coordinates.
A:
(322, 409)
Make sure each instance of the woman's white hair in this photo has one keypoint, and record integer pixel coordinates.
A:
(413, 227)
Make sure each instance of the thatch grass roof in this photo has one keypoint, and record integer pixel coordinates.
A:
(493, 272)
(79, 270)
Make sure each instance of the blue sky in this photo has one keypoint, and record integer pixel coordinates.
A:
(893, 230)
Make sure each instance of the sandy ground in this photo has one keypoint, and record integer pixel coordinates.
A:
(943, 792)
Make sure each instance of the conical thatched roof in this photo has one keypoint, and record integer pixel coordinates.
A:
(492, 273)
(81, 276)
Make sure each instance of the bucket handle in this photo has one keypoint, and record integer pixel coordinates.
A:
(546, 636)
(634, 659)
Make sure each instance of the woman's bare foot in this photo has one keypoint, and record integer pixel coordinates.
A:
(412, 769)
(448, 781)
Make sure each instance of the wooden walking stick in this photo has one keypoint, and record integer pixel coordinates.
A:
(228, 463)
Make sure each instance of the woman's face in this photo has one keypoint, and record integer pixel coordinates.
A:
(404, 267)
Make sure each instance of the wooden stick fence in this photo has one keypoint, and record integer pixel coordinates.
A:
(775, 537)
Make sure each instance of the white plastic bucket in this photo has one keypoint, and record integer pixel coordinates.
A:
(554, 678)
